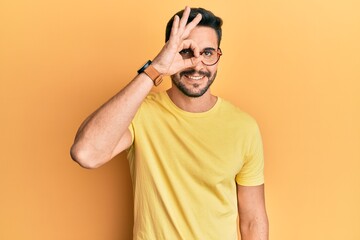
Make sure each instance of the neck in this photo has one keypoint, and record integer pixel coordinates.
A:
(192, 104)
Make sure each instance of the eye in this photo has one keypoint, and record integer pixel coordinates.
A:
(186, 52)
(208, 53)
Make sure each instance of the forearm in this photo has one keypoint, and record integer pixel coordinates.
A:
(253, 218)
(257, 229)
(100, 133)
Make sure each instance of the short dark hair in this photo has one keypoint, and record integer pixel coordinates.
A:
(208, 20)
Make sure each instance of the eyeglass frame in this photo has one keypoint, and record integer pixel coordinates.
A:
(218, 52)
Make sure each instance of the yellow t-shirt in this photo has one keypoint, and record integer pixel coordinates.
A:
(185, 166)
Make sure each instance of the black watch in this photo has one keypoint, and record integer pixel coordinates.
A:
(141, 70)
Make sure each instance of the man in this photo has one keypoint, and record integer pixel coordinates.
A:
(196, 160)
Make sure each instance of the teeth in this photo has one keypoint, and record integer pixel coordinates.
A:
(195, 77)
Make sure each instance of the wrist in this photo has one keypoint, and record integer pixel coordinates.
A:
(151, 71)
(159, 67)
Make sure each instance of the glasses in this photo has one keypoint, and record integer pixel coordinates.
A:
(210, 55)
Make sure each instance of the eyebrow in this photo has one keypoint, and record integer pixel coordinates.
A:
(208, 48)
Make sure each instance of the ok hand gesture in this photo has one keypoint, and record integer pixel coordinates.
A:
(169, 61)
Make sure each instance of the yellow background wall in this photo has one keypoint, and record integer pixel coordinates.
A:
(293, 65)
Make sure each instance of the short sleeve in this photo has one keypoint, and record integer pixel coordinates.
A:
(252, 171)
(131, 129)
(132, 126)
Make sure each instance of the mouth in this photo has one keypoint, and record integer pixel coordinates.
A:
(194, 77)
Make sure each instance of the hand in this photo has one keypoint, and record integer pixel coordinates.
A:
(169, 61)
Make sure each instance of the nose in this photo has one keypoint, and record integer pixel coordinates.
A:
(199, 65)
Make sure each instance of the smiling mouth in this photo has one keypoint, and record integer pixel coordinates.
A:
(192, 74)
(194, 77)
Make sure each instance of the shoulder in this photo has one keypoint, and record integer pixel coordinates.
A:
(154, 103)
(234, 113)
(155, 98)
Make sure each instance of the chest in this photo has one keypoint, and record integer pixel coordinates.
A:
(198, 147)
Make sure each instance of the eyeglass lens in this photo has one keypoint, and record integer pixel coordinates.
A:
(210, 56)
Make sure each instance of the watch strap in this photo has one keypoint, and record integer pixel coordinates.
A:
(153, 74)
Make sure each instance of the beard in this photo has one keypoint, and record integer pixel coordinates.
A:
(194, 90)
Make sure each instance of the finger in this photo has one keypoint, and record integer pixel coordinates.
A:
(175, 25)
(189, 44)
(192, 25)
(184, 18)
(196, 50)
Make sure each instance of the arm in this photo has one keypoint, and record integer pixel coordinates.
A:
(105, 132)
(252, 213)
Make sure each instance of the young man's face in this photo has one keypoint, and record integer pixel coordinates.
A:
(195, 81)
